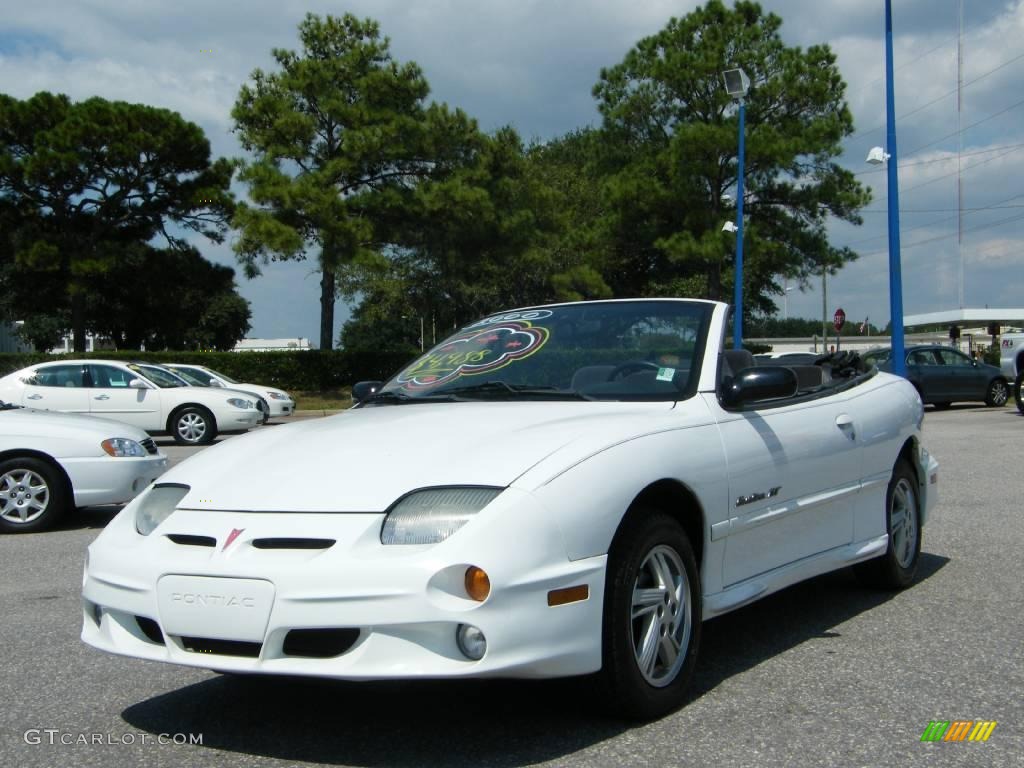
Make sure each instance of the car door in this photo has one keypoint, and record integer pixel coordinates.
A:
(969, 381)
(794, 474)
(938, 383)
(56, 387)
(111, 397)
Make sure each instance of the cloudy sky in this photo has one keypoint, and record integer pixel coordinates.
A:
(532, 64)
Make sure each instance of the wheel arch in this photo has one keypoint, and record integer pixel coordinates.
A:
(18, 453)
(680, 502)
(179, 408)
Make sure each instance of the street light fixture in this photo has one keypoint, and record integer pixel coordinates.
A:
(736, 85)
(877, 156)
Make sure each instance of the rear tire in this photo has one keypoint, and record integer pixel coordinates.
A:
(998, 393)
(652, 617)
(897, 568)
(193, 425)
(33, 495)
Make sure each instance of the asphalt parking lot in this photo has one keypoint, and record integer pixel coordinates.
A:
(826, 673)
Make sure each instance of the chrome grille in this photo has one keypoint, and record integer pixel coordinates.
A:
(150, 445)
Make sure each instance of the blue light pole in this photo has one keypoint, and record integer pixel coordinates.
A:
(736, 85)
(895, 277)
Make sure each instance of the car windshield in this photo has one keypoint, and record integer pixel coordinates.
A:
(188, 375)
(162, 377)
(876, 356)
(601, 350)
(228, 379)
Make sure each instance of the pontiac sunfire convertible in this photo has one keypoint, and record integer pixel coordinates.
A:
(554, 491)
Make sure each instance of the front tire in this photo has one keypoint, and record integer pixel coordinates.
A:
(652, 617)
(998, 393)
(897, 568)
(193, 425)
(33, 495)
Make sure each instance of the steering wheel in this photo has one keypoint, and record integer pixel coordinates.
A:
(631, 367)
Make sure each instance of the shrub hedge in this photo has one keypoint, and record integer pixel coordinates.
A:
(309, 370)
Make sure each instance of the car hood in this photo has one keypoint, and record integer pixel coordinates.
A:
(258, 388)
(31, 422)
(364, 459)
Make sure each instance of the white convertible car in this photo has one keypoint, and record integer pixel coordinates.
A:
(555, 491)
(53, 462)
(145, 396)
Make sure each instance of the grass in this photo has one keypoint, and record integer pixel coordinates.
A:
(323, 400)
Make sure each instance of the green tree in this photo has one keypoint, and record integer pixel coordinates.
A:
(133, 305)
(341, 134)
(80, 179)
(670, 152)
(505, 229)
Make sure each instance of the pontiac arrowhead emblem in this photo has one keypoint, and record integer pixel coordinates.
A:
(231, 537)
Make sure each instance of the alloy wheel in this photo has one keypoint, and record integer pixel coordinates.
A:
(24, 496)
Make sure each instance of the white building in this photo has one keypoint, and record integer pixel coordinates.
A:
(272, 345)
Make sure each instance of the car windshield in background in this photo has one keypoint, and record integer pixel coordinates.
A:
(189, 376)
(160, 376)
(219, 375)
(876, 356)
(602, 350)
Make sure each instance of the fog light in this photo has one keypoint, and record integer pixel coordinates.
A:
(471, 642)
(478, 584)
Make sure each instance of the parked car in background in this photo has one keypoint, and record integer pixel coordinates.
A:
(1011, 362)
(51, 463)
(145, 396)
(943, 375)
(272, 402)
(554, 491)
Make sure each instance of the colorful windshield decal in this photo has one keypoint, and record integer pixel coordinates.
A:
(530, 314)
(474, 352)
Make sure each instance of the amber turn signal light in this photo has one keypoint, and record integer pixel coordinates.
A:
(478, 584)
(568, 595)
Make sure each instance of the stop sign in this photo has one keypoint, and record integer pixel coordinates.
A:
(838, 319)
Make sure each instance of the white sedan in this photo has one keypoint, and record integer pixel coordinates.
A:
(273, 402)
(53, 462)
(144, 396)
(555, 491)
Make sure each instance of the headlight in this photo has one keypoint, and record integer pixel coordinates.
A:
(431, 516)
(240, 403)
(156, 505)
(122, 446)
(278, 395)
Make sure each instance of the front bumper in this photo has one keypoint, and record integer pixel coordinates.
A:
(281, 407)
(239, 420)
(239, 606)
(111, 480)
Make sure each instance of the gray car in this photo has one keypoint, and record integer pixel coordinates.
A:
(943, 375)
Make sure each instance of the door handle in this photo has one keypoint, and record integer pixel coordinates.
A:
(34, 397)
(102, 397)
(845, 423)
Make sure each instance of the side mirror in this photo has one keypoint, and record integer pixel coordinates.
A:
(756, 384)
(215, 383)
(364, 389)
(137, 384)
